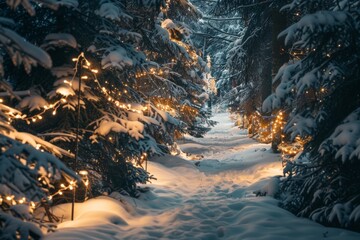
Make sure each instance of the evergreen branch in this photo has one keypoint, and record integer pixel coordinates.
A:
(209, 36)
(253, 4)
(223, 19)
(219, 30)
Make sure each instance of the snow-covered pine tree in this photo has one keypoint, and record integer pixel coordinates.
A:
(27, 173)
(59, 35)
(322, 87)
(123, 117)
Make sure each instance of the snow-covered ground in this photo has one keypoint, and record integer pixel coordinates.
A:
(210, 195)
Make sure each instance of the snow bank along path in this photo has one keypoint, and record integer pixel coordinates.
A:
(212, 199)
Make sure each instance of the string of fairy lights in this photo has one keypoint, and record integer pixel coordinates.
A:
(10, 199)
(269, 130)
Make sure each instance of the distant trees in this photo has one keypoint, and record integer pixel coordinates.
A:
(255, 55)
(215, 35)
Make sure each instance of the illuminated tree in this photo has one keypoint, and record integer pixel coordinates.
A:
(176, 83)
(321, 86)
(51, 105)
(134, 72)
(28, 174)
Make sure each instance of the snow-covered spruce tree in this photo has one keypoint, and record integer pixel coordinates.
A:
(27, 173)
(126, 110)
(54, 95)
(112, 122)
(322, 89)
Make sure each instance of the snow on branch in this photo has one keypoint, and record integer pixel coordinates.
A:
(59, 40)
(13, 225)
(34, 102)
(52, 4)
(116, 57)
(8, 114)
(284, 93)
(344, 142)
(113, 12)
(23, 52)
(304, 32)
(302, 126)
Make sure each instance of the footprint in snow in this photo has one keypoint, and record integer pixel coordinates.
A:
(260, 149)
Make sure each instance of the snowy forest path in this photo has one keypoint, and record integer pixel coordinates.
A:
(200, 196)
(208, 193)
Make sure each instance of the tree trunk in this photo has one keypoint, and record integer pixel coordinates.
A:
(267, 65)
(279, 56)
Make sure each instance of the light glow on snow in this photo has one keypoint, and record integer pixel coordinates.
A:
(209, 195)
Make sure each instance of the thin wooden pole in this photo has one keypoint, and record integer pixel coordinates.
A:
(80, 61)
